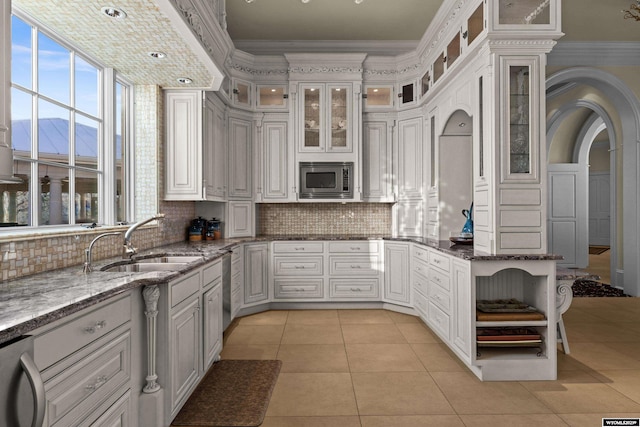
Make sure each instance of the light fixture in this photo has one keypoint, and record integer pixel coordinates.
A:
(633, 12)
(184, 80)
(158, 55)
(114, 12)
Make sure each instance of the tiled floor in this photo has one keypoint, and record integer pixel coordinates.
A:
(376, 368)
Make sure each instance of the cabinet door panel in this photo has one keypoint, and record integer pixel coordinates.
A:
(212, 303)
(215, 149)
(256, 270)
(377, 162)
(410, 179)
(396, 278)
(185, 346)
(240, 219)
(276, 176)
(240, 166)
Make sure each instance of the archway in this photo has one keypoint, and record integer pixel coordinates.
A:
(627, 135)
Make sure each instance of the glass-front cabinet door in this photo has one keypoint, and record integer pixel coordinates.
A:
(326, 111)
(313, 103)
(339, 110)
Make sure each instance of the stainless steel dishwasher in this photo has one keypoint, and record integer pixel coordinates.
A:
(22, 399)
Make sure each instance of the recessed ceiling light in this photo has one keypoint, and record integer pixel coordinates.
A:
(158, 55)
(184, 80)
(114, 12)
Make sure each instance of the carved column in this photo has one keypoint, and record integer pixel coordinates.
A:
(151, 294)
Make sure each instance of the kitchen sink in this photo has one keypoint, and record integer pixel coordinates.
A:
(145, 266)
(169, 259)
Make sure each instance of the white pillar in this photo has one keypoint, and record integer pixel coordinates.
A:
(55, 201)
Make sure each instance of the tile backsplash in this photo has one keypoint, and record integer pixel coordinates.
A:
(324, 218)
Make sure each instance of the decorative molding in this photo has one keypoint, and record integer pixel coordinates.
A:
(255, 71)
(324, 70)
(370, 47)
(595, 54)
(151, 295)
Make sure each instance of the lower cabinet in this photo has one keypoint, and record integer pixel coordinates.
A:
(256, 273)
(212, 301)
(396, 273)
(86, 365)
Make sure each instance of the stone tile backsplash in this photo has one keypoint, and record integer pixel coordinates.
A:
(324, 218)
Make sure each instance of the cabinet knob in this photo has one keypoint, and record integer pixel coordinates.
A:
(98, 325)
(96, 385)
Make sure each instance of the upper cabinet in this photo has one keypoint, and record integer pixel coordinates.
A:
(195, 150)
(325, 111)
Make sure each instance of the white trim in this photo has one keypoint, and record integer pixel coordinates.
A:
(371, 47)
(595, 54)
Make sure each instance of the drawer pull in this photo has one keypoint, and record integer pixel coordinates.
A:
(355, 248)
(356, 290)
(437, 261)
(299, 267)
(299, 249)
(98, 325)
(99, 383)
(355, 266)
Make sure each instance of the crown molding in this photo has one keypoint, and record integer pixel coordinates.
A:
(595, 54)
(371, 47)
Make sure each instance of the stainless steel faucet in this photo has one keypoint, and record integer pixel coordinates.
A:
(129, 250)
(87, 252)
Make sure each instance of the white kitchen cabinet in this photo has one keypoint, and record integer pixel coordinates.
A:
(278, 164)
(212, 314)
(256, 273)
(242, 93)
(240, 166)
(298, 270)
(195, 149)
(410, 161)
(215, 149)
(183, 149)
(86, 364)
(325, 117)
(355, 270)
(377, 162)
(396, 273)
(237, 280)
(240, 219)
(462, 308)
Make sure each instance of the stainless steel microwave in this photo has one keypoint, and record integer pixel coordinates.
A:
(326, 180)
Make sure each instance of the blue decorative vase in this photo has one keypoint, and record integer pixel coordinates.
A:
(468, 225)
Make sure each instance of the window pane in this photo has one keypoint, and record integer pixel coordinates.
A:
(54, 195)
(20, 52)
(86, 142)
(53, 132)
(86, 198)
(53, 69)
(14, 198)
(21, 122)
(86, 82)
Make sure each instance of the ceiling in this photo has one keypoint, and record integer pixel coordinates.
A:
(319, 25)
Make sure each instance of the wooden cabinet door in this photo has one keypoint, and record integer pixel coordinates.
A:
(463, 309)
(376, 167)
(256, 264)
(240, 166)
(215, 151)
(276, 161)
(410, 175)
(212, 312)
(396, 278)
(185, 350)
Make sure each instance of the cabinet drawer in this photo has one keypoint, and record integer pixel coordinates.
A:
(298, 266)
(354, 265)
(420, 253)
(440, 279)
(116, 415)
(420, 302)
(184, 288)
(211, 273)
(354, 247)
(420, 267)
(440, 297)
(438, 320)
(88, 381)
(439, 260)
(236, 267)
(354, 288)
(296, 288)
(56, 344)
(298, 247)
(420, 284)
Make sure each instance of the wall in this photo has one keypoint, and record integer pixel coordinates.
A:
(358, 219)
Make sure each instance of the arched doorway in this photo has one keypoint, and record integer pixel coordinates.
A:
(624, 135)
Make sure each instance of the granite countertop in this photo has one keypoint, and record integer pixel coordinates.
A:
(33, 301)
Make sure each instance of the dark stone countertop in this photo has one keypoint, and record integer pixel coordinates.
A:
(33, 301)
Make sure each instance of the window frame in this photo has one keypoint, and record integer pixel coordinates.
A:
(106, 173)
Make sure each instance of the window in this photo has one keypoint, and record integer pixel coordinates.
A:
(71, 154)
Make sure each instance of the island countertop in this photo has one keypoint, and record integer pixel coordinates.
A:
(33, 301)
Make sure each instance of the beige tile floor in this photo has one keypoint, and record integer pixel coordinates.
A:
(377, 368)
